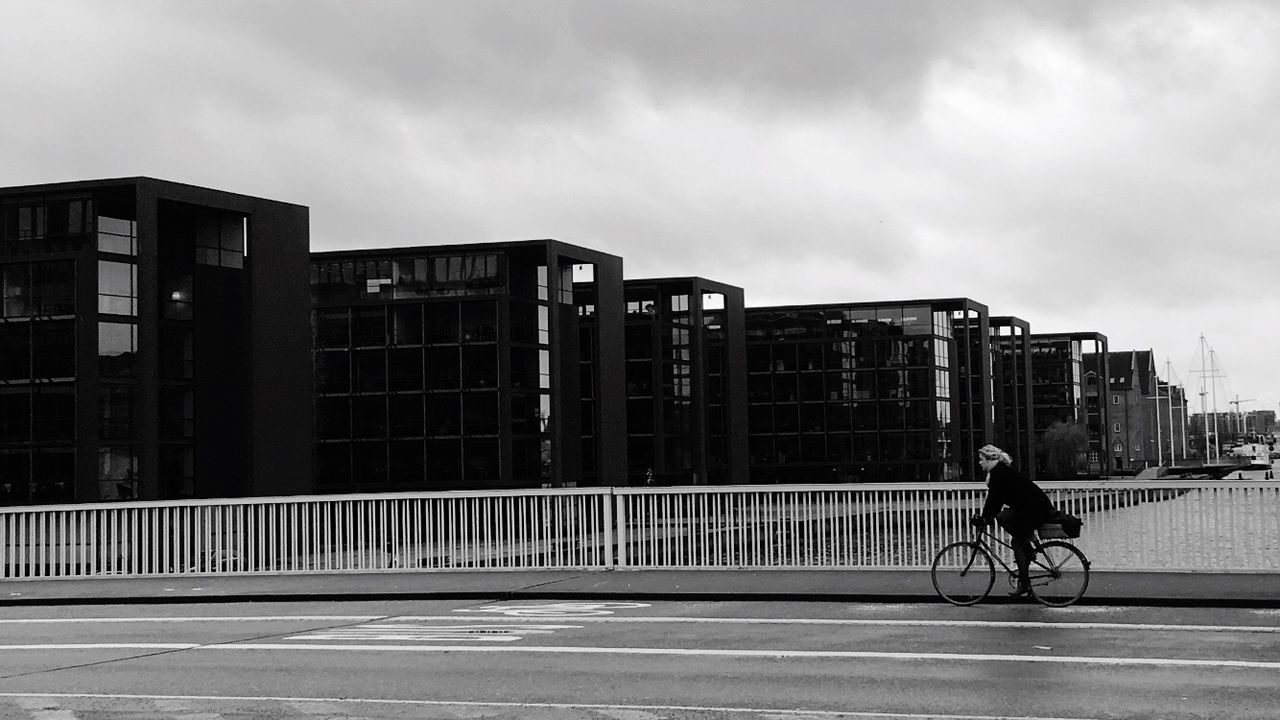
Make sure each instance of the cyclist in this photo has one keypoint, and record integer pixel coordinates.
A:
(1028, 508)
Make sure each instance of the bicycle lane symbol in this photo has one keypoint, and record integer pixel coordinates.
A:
(562, 609)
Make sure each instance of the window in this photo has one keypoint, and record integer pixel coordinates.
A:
(117, 236)
(55, 285)
(53, 349)
(116, 412)
(1115, 399)
(220, 239)
(117, 473)
(1115, 427)
(117, 288)
(15, 290)
(117, 343)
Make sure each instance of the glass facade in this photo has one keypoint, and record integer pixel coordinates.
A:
(852, 393)
(439, 368)
(125, 322)
(40, 240)
(1011, 382)
(1057, 386)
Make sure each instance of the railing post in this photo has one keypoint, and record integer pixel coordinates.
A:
(620, 523)
(608, 529)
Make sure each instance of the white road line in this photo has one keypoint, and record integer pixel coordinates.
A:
(103, 646)
(698, 652)
(789, 712)
(888, 623)
(192, 619)
(778, 653)
(1162, 627)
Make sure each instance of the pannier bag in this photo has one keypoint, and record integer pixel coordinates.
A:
(1061, 527)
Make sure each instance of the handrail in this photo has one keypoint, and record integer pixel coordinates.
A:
(1129, 524)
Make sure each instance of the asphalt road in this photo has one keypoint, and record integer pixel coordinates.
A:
(636, 661)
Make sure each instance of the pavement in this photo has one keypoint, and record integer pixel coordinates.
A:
(1205, 589)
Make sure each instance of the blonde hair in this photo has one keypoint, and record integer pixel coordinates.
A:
(991, 452)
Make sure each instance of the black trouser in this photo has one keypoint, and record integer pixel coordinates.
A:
(1020, 530)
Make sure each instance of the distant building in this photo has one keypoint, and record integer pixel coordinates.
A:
(465, 366)
(152, 337)
(685, 382)
(875, 392)
(1058, 383)
(1144, 428)
(1012, 400)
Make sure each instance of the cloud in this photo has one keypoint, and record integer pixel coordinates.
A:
(1088, 165)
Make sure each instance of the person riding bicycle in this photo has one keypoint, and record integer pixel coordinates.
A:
(1027, 508)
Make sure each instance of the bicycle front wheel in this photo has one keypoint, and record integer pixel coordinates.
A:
(963, 573)
(1059, 574)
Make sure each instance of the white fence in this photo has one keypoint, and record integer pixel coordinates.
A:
(1129, 525)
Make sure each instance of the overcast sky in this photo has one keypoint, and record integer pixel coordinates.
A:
(1109, 166)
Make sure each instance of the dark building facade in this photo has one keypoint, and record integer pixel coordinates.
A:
(685, 382)
(152, 335)
(868, 392)
(1014, 428)
(1058, 389)
(466, 366)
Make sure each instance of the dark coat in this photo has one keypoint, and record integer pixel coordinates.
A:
(1028, 502)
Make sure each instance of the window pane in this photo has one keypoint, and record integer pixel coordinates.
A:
(369, 327)
(405, 369)
(117, 343)
(480, 366)
(406, 324)
(117, 282)
(369, 417)
(480, 321)
(444, 415)
(15, 415)
(406, 415)
(15, 289)
(55, 287)
(333, 418)
(333, 328)
(480, 413)
(15, 361)
(370, 370)
(54, 349)
(116, 412)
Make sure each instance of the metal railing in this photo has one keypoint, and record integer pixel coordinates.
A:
(530, 529)
(1229, 525)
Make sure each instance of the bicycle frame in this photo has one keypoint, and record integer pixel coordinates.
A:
(983, 534)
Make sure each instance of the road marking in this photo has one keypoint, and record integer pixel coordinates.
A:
(786, 712)
(891, 623)
(192, 619)
(778, 653)
(563, 609)
(414, 632)
(657, 619)
(103, 646)
(697, 652)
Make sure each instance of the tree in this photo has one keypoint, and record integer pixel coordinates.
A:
(1064, 448)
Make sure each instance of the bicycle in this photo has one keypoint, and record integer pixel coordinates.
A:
(964, 572)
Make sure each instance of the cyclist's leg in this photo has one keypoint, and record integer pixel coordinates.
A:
(1020, 536)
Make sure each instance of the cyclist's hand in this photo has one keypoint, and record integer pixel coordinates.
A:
(978, 521)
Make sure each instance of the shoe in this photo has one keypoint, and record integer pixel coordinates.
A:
(1023, 588)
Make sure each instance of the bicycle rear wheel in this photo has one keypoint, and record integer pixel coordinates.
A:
(1059, 574)
(963, 573)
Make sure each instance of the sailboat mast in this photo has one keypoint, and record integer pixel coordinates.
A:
(1213, 395)
(1168, 374)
